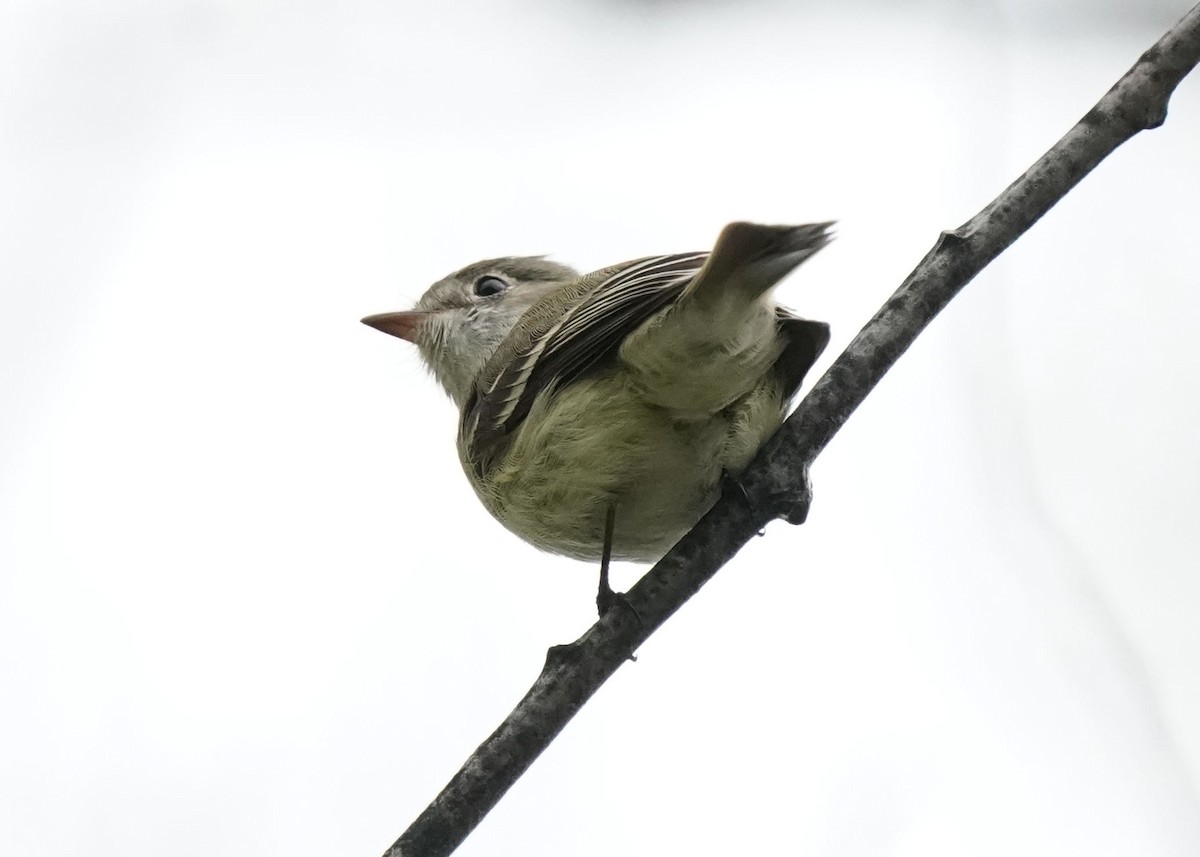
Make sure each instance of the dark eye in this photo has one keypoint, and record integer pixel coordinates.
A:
(485, 287)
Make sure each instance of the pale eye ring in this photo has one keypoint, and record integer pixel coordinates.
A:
(486, 287)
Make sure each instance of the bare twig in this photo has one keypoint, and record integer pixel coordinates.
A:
(776, 484)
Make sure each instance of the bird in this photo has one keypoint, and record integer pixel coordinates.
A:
(601, 413)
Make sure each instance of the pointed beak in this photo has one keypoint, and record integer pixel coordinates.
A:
(401, 324)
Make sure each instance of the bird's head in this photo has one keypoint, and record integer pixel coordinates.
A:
(460, 320)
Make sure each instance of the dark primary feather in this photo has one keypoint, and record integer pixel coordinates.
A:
(805, 340)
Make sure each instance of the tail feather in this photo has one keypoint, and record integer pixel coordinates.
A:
(750, 258)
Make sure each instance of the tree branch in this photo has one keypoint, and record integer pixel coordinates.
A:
(776, 484)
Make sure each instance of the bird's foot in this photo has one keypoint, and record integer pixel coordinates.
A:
(729, 482)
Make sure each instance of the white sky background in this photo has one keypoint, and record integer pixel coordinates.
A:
(248, 603)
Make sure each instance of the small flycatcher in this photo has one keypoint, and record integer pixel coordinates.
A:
(608, 407)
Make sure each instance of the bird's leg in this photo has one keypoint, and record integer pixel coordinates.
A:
(605, 597)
